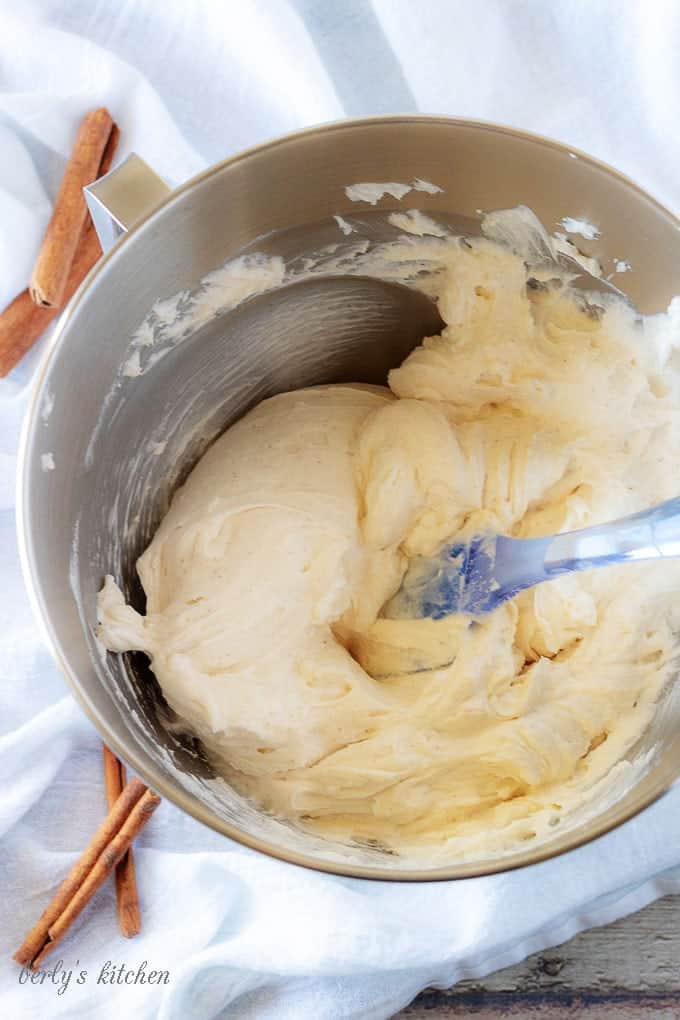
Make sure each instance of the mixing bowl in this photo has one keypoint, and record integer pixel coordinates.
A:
(120, 441)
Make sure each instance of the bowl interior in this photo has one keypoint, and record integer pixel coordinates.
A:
(121, 444)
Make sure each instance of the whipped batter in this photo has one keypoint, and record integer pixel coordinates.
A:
(530, 414)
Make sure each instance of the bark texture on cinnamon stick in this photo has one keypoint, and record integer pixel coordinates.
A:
(97, 848)
(23, 322)
(127, 899)
(103, 866)
(51, 270)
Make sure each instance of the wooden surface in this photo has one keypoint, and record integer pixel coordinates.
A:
(629, 970)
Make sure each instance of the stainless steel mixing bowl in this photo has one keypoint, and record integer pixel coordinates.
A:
(92, 514)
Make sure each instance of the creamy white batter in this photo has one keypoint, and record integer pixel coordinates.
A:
(265, 581)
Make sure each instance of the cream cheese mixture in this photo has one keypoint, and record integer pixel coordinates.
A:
(530, 414)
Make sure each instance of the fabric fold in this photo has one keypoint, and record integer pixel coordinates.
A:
(238, 934)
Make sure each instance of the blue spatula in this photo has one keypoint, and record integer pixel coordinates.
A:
(478, 575)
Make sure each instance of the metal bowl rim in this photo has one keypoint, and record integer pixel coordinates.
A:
(126, 750)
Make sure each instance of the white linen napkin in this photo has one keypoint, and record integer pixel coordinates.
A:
(240, 935)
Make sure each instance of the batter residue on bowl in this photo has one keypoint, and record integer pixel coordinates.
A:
(530, 414)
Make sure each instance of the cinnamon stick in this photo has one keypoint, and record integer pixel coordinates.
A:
(108, 154)
(51, 270)
(103, 866)
(107, 831)
(127, 900)
(23, 322)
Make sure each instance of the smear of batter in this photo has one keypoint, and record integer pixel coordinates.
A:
(583, 227)
(264, 582)
(413, 221)
(344, 226)
(373, 191)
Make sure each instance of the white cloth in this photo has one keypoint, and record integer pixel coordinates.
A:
(241, 935)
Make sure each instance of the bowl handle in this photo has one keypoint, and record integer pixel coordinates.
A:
(118, 199)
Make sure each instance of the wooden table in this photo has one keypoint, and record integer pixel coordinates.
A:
(629, 970)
